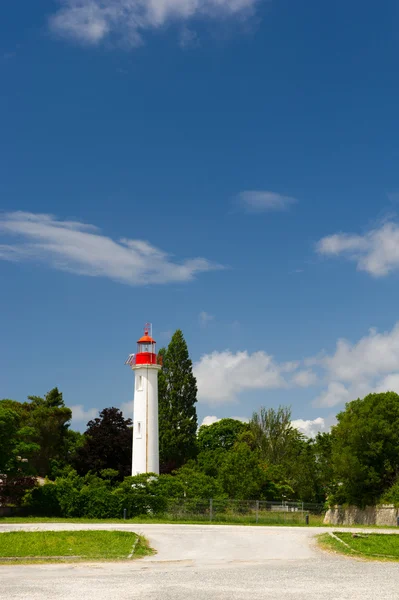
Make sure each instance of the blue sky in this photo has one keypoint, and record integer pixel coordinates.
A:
(227, 167)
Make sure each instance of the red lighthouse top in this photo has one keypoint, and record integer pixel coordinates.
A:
(146, 353)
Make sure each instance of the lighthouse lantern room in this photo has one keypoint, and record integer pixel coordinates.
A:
(145, 365)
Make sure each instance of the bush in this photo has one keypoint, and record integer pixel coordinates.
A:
(98, 502)
(94, 497)
(68, 494)
(140, 495)
(391, 496)
(43, 501)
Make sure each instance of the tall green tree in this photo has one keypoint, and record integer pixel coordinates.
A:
(301, 472)
(324, 472)
(273, 433)
(177, 412)
(49, 418)
(365, 448)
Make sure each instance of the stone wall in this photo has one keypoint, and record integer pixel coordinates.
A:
(385, 514)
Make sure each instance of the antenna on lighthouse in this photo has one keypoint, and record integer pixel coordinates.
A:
(148, 329)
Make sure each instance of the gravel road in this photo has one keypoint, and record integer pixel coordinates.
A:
(196, 562)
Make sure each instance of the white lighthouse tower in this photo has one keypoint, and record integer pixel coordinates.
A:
(145, 429)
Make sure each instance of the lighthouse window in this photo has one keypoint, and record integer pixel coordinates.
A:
(139, 383)
(138, 434)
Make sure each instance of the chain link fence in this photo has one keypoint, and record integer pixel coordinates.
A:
(242, 511)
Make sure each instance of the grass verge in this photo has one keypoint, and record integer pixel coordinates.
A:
(314, 520)
(50, 546)
(374, 546)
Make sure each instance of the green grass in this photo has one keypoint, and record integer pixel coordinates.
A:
(221, 519)
(377, 546)
(80, 545)
(272, 519)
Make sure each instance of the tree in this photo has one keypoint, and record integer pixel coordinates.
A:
(210, 461)
(241, 475)
(177, 412)
(107, 445)
(365, 448)
(222, 434)
(301, 473)
(43, 434)
(12, 447)
(324, 472)
(15, 448)
(16, 440)
(73, 441)
(9, 425)
(49, 419)
(273, 433)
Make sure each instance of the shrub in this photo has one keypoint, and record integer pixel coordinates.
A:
(391, 496)
(140, 495)
(42, 501)
(98, 502)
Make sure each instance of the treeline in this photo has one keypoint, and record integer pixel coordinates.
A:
(266, 459)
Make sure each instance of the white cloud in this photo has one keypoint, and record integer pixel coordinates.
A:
(221, 376)
(371, 364)
(210, 420)
(81, 416)
(205, 318)
(352, 371)
(390, 383)
(308, 427)
(263, 201)
(373, 355)
(336, 393)
(83, 250)
(376, 252)
(304, 378)
(92, 21)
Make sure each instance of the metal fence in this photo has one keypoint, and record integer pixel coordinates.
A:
(241, 511)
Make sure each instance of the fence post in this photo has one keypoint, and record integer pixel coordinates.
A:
(257, 510)
(124, 514)
(210, 509)
(307, 519)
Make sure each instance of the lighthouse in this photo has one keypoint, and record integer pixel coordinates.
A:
(145, 423)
